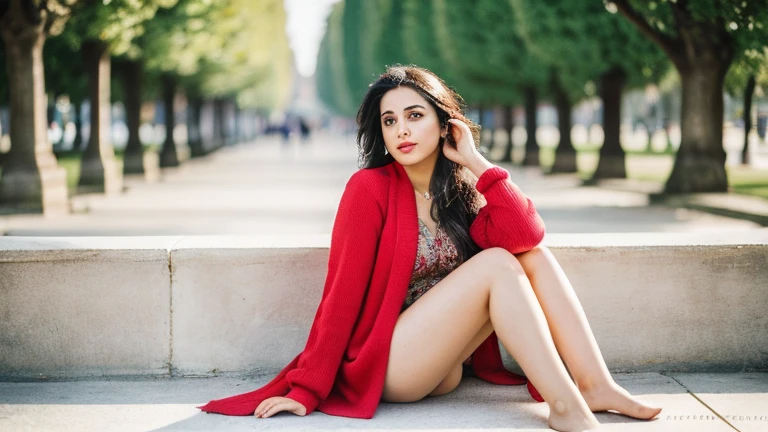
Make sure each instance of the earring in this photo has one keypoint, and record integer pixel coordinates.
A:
(385, 151)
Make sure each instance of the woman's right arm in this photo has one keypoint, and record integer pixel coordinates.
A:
(354, 242)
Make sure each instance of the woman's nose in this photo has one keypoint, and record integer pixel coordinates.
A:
(402, 130)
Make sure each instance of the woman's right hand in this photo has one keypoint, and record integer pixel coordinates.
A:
(271, 406)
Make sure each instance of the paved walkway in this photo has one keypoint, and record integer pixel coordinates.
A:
(690, 402)
(266, 188)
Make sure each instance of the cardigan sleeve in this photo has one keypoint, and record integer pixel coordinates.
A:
(354, 242)
(509, 219)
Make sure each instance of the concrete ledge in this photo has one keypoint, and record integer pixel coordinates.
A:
(84, 306)
(207, 304)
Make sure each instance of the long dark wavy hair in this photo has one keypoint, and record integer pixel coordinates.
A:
(455, 200)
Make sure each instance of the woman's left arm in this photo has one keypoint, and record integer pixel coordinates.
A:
(508, 220)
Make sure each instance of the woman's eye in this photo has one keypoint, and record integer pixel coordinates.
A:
(416, 114)
(388, 121)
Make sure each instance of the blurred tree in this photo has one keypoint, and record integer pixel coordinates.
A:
(3, 96)
(206, 49)
(101, 29)
(494, 67)
(65, 75)
(353, 26)
(420, 36)
(586, 43)
(324, 75)
(390, 39)
(332, 72)
(3, 83)
(749, 70)
(30, 177)
(701, 38)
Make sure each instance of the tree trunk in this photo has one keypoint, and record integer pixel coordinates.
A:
(31, 180)
(508, 124)
(98, 170)
(133, 160)
(702, 52)
(226, 130)
(218, 123)
(531, 146)
(168, 156)
(491, 126)
(700, 162)
(749, 91)
(237, 133)
(612, 157)
(195, 136)
(666, 104)
(77, 143)
(481, 123)
(565, 155)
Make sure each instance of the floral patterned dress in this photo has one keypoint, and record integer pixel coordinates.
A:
(435, 258)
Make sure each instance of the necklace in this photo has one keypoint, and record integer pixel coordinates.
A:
(426, 195)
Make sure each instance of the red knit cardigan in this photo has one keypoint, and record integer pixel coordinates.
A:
(373, 249)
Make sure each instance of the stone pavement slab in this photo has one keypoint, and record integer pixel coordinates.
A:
(169, 405)
(732, 205)
(746, 408)
(751, 208)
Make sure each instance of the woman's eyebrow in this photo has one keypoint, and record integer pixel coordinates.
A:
(406, 109)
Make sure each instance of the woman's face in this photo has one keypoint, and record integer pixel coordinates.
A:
(410, 126)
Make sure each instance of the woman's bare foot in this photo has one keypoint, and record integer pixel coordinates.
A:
(575, 419)
(613, 397)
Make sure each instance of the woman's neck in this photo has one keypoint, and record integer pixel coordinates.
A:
(421, 174)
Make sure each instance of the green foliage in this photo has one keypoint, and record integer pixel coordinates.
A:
(746, 21)
(583, 41)
(736, 29)
(485, 51)
(421, 40)
(241, 50)
(118, 23)
(331, 77)
(751, 63)
(227, 48)
(64, 70)
(352, 26)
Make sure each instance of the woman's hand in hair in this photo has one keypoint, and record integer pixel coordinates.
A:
(465, 153)
(271, 406)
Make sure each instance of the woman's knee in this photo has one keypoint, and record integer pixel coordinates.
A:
(501, 261)
(537, 253)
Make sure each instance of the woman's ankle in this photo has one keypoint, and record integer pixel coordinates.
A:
(571, 417)
(595, 385)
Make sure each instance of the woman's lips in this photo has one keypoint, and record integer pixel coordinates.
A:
(407, 148)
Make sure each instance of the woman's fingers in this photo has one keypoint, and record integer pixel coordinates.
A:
(274, 409)
(465, 151)
(460, 130)
(265, 406)
(274, 405)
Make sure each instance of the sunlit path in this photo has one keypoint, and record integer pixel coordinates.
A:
(267, 187)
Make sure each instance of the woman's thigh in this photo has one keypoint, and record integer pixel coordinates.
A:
(442, 328)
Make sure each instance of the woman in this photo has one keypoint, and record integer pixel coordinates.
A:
(433, 253)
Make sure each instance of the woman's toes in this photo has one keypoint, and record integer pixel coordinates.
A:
(615, 398)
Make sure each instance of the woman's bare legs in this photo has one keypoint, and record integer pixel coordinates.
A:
(574, 339)
(436, 334)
